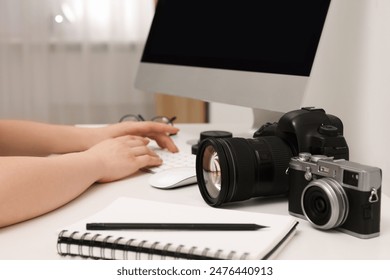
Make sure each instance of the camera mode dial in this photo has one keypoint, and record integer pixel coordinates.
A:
(304, 156)
(328, 130)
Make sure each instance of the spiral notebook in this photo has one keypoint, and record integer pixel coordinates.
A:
(265, 243)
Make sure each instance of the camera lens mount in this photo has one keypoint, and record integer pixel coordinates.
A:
(325, 203)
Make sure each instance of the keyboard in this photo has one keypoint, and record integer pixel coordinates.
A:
(172, 160)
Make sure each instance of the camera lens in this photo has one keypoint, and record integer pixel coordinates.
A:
(324, 203)
(235, 169)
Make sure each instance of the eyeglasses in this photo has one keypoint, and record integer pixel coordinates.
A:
(139, 118)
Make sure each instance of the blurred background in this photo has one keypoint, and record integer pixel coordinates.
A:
(74, 61)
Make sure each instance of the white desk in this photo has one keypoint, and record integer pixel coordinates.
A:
(36, 239)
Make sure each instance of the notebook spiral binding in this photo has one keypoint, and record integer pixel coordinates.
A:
(96, 246)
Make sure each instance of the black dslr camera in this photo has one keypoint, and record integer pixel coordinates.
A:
(335, 194)
(235, 169)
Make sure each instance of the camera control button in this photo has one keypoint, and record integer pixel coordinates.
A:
(304, 156)
(329, 130)
(367, 211)
(316, 158)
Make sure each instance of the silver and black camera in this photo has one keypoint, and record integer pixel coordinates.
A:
(335, 194)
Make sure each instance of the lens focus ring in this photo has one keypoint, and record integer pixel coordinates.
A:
(325, 203)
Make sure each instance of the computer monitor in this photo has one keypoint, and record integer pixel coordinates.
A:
(348, 76)
(252, 53)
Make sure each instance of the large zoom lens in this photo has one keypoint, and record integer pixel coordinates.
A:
(325, 203)
(235, 169)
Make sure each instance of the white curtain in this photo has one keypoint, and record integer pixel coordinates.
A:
(72, 61)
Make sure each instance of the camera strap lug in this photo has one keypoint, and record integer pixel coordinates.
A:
(373, 196)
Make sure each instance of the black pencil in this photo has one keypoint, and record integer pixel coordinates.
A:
(174, 226)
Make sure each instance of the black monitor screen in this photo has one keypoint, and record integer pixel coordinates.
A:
(272, 36)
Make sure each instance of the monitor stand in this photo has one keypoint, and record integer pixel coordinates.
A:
(261, 117)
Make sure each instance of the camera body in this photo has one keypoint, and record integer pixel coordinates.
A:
(335, 194)
(236, 169)
(309, 130)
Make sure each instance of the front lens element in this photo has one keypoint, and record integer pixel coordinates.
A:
(324, 203)
(212, 171)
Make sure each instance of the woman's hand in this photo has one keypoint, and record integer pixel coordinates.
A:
(122, 156)
(153, 130)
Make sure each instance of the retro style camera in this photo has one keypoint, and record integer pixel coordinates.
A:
(338, 194)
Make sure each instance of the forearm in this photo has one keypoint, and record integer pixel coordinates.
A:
(32, 186)
(25, 138)
(38, 139)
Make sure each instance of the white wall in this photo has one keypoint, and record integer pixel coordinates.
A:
(350, 79)
(80, 70)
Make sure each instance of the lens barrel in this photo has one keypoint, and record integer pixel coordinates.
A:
(236, 169)
(325, 203)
